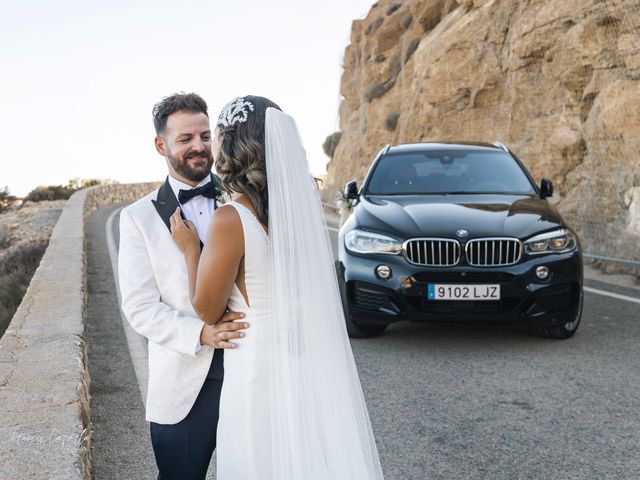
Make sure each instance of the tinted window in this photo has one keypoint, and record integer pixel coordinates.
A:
(449, 172)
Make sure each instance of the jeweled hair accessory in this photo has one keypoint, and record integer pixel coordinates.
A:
(236, 111)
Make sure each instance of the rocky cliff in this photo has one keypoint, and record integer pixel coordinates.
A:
(555, 80)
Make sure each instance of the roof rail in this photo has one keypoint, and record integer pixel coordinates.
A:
(500, 145)
(386, 148)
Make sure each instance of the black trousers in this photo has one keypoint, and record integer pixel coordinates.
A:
(183, 451)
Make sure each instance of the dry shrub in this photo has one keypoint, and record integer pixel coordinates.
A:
(17, 266)
(331, 143)
(391, 122)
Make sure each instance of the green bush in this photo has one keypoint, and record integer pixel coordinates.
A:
(80, 183)
(62, 192)
(6, 199)
(49, 192)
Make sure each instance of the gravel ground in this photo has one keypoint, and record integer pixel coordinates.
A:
(33, 222)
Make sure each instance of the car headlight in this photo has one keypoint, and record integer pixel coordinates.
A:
(558, 241)
(359, 241)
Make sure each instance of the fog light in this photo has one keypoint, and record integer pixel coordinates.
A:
(383, 272)
(542, 272)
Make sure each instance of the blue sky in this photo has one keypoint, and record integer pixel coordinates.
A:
(79, 78)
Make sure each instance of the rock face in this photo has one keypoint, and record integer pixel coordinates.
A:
(556, 81)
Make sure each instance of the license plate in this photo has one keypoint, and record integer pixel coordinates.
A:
(441, 291)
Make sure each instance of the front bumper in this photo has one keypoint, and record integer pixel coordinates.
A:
(524, 298)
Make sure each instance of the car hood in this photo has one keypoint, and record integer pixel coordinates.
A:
(486, 215)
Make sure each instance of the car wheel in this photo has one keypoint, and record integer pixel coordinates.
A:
(355, 330)
(561, 331)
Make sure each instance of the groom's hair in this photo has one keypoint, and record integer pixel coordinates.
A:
(188, 102)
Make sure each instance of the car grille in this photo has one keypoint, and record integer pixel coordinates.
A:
(433, 252)
(463, 277)
(493, 252)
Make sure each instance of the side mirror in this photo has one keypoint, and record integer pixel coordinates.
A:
(351, 190)
(546, 188)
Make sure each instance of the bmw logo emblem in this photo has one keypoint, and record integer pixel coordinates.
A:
(462, 233)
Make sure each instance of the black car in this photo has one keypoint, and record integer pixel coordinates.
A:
(445, 232)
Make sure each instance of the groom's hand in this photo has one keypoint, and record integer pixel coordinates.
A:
(219, 334)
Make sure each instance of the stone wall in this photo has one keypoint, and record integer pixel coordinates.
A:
(44, 382)
(557, 81)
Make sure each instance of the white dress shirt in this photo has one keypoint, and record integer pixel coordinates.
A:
(199, 210)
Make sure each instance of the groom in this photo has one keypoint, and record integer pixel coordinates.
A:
(185, 354)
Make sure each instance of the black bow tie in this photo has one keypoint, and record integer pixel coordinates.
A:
(207, 190)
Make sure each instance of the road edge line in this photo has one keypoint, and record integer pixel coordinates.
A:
(612, 295)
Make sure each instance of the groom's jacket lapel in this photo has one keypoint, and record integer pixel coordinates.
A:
(166, 202)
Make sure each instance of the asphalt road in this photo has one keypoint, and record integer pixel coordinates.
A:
(120, 444)
(446, 401)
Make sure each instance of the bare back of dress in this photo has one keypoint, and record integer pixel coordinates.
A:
(244, 427)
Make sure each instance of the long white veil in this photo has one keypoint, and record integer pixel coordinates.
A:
(321, 428)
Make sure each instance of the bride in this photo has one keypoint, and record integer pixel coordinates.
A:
(291, 406)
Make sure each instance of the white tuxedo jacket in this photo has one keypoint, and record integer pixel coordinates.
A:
(155, 300)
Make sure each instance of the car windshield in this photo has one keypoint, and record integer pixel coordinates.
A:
(448, 171)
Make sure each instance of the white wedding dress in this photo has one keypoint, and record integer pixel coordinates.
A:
(291, 406)
(244, 427)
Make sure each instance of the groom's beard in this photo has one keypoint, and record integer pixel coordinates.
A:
(195, 174)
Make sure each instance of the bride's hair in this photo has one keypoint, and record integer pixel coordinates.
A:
(241, 160)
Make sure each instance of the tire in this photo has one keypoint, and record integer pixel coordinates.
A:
(354, 330)
(561, 332)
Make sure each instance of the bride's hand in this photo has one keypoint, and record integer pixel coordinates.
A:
(184, 233)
